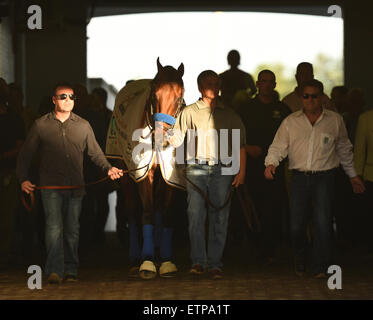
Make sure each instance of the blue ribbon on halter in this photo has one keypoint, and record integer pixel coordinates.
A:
(164, 118)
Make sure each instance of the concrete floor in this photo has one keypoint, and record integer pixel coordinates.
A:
(103, 276)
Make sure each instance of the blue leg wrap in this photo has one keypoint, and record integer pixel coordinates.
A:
(158, 229)
(135, 252)
(148, 246)
(166, 244)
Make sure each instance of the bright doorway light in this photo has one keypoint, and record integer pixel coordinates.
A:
(126, 47)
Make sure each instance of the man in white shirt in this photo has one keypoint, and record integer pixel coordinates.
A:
(316, 142)
(294, 99)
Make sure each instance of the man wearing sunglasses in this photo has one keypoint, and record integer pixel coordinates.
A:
(316, 142)
(60, 139)
(294, 99)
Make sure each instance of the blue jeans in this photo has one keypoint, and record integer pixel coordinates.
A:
(62, 213)
(217, 187)
(311, 197)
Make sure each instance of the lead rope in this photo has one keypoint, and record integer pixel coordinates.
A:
(30, 206)
(205, 196)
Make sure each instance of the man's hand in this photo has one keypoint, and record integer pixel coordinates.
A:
(269, 172)
(357, 184)
(253, 151)
(115, 173)
(27, 186)
(239, 179)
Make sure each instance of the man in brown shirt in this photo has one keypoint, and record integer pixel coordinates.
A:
(60, 138)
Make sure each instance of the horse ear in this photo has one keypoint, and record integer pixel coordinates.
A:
(159, 66)
(181, 69)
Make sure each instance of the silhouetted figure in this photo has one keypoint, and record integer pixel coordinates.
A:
(344, 205)
(349, 226)
(91, 109)
(95, 203)
(12, 135)
(363, 155)
(339, 98)
(99, 99)
(294, 100)
(235, 82)
(101, 93)
(354, 107)
(26, 224)
(16, 104)
(45, 106)
(262, 117)
(82, 100)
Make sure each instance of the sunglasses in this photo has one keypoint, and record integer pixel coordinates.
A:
(307, 96)
(64, 96)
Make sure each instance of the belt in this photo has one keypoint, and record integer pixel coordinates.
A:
(210, 163)
(312, 173)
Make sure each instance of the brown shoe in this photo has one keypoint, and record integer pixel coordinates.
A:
(216, 274)
(197, 269)
(70, 278)
(54, 278)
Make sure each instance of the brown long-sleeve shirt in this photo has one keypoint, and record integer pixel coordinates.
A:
(61, 147)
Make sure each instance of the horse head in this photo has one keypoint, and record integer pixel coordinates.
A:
(167, 92)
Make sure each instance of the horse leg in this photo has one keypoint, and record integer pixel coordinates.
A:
(147, 268)
(157, 232)
(167, 269)
(131, 205)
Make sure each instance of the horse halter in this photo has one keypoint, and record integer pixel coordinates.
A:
(163, 117)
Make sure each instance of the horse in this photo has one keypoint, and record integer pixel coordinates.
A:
(152, 106)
